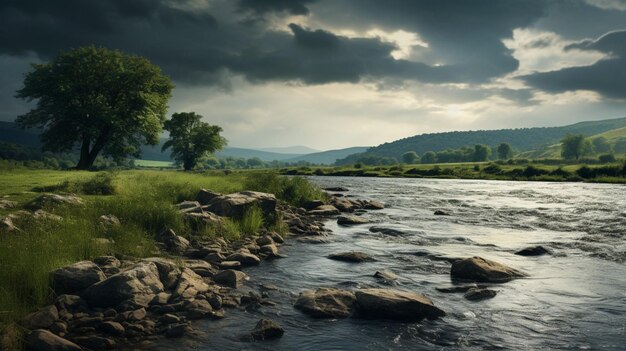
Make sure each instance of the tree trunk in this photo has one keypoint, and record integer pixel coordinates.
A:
(84, 155)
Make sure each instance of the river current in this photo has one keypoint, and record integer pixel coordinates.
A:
(572, 299)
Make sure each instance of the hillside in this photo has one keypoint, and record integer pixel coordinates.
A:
(328, 157)
(522, 139)
(616, 137)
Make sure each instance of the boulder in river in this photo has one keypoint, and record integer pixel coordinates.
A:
(483, 270)
(386, 276)
(395, 304)
(373, 205)
(245, 258)
(351, 220)
(266, 329)
(44, 340)
(533, 251)
(351, 256)
(336, 188)
(441, 213)
(386, 231)
(76, 277)
(140, 283)
(476, 294)
(235, 205)
(326, 303)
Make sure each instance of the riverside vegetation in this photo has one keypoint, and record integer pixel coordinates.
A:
(33, 244)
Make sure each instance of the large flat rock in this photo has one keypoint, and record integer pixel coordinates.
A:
(483, 270)
(395, 304)
(326, 303)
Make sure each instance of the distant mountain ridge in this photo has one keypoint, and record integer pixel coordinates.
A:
(521, 139)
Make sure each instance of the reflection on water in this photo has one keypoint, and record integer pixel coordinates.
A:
(574, 299)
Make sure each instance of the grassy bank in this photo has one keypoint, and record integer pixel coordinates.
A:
(142, 200)
(608, 173)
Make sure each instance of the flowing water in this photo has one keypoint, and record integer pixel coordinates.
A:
(573, 299)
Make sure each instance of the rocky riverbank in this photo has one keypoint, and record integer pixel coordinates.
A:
(121, 302)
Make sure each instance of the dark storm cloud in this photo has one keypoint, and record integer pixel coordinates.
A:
(607, 76)
(464, 34)
(295, 7)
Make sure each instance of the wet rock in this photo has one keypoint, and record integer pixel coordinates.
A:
(215, 301)
(109, 221)
(215, 257)
(230, 278)
(386, 231)
(168, 271)
(457, 289)
(189, 285)
(205, 196)
(112, 328)
(169, 318)
(386, 275)
(314, 240)
(173, 243)
(351, 220)
(246, 259)
(161, 298)
(230, 265)
(94, 342)
(76, 277)
(441, 213)
(176, 330)
(266, 329)
(309, 205)
(269, 250)
(265, 240)
(235, 205)
(351, 256)
(326, 303)
(70, 303)
(44, 340)
(133, 316)
(373, 205)
(483, 270)
(324, 210)
(534, 251)
(201, 268)
(41, 319)
(476, 294)
(59, 328)
(140, 283)
(336, 188)
(395, 304)
(52, 200)
(344, 204)
(278, 239)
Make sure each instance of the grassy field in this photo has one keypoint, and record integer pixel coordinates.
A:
(141, 199)
(613, 173)
(153, 164)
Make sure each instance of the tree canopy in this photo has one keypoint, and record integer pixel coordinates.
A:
(481, 153)
(574, 146)
(191, 139)
(103, 101)
(505, 151)
(410, 157)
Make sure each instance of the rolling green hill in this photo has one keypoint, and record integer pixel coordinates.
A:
(522, 139)
(328, 157)
(615, 137)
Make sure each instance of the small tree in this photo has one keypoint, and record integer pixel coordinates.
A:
(191, 139)
(481, 153)
(601, 145)
(103, 101)
(505, 151)
(429, 157)
(410, 157)
(573, 146)
(254, 162)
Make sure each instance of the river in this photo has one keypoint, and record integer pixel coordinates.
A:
(573, 299)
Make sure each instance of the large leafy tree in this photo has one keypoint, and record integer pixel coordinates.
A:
(574, 146)
(481, 153)
(410, 157)
(191, 139)
(99, 100)
(505, 151)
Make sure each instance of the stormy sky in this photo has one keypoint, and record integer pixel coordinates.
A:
(339, 73)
